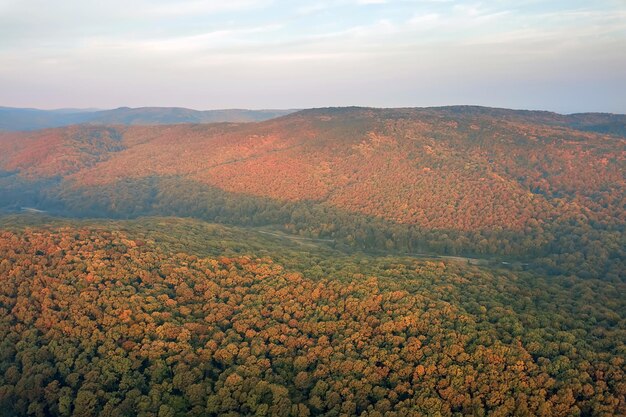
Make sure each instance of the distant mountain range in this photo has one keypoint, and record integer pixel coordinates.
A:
(18, 119)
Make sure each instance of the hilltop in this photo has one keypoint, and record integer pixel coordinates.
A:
(451, 179)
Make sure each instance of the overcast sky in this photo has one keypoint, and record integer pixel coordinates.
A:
(566, 56)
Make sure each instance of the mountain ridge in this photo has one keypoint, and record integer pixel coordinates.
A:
(26, 119)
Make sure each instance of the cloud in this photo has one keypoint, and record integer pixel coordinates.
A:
(371, 1)
(196, 7)
(179, 44)
(361, 48)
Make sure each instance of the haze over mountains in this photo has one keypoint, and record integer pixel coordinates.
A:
(32, 119)
(24, 119)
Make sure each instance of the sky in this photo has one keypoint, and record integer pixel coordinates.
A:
(565, 56)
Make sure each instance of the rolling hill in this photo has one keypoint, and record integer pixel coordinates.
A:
(464, 179)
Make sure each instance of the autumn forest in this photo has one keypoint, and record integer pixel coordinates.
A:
(328, 262)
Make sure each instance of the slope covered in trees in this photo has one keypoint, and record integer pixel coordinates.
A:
(434, 168)
(531, 186)
(166, 317)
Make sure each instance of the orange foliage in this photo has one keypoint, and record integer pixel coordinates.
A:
(427, 167)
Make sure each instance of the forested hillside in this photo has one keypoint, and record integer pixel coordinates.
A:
(534, 187)
(168, 317)
(406, 262)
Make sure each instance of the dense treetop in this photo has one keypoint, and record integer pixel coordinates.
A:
(133, 318)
